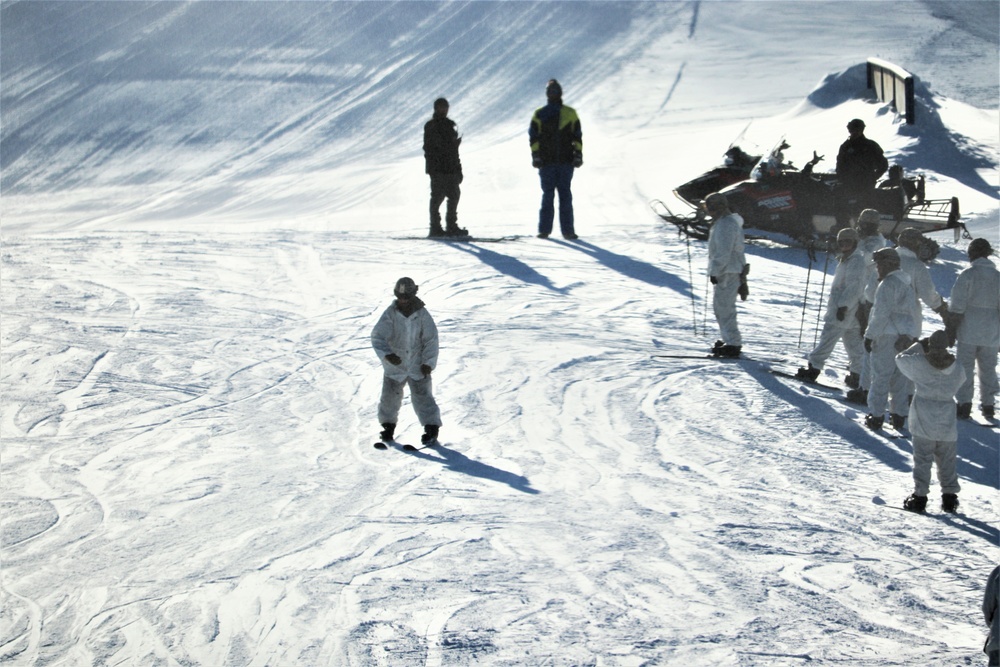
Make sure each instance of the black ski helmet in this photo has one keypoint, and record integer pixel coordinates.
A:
(868, 222)
(980, 248)
(910, 238)
(405, 287)
(886, 256)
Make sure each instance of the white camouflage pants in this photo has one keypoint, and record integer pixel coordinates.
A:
(985, 358)
(853, 344)
(421, 397)
(888, 385)
(940, 452)
(724, 307)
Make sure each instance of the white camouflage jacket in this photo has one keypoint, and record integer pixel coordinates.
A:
(976, 295)
(895, 310)
(847, 289)
(932, 413)
(725, 246)
(414, 339)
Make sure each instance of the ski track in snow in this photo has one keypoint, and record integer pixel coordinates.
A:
(199, 206)
(209, 472)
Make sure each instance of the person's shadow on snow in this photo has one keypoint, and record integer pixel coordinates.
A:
(631, 267)
(461, 463)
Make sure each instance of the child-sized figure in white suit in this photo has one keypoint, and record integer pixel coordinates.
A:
(406, 340)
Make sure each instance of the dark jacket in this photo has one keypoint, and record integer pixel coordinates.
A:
(555, 134)
(441, 146)
(860, 162)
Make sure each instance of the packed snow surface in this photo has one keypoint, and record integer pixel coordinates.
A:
(204, 211)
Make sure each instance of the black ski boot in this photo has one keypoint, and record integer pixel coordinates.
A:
(964, 411)
(430, 436)
(858, 396)
(874, 423)
(852, 380)
(949, 502)
(454, 230)
(988, 411)
(808, 374)
(728, 351)
(915, 503)
(897, 421)
(436, 231)
(388, 432)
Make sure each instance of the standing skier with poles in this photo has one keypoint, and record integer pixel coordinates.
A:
(727, 272)
(840, 323)
(406, 340)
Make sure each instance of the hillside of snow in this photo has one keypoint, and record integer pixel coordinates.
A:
(203, 214)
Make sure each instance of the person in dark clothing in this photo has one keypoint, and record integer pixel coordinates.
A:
(991, 611)
(556, 151)
(441, 141)
(860, 163)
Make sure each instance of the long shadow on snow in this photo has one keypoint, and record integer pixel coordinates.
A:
(508, 265)
(825, 416)
(977, 457)
(632, 268)
(461, 463)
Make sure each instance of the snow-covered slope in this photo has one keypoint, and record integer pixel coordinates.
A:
(201, 204)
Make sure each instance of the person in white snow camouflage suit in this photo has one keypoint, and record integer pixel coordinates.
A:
(727, 271)
(406, 341)
(936, 376)
(907, 246)
(841, 322)
(891, 328)
(870, 239)
(975, 323)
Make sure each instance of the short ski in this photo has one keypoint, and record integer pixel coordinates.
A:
(811, 383)
(712, 357)
(886, 431)
(944, 513)
(458, 239)
(409, 448)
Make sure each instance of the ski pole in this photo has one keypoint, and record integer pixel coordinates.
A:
(694, 306)
(805, 297)
(704, 310)
(822, 292)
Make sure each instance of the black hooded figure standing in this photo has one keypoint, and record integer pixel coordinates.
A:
(860, 163)
(441, 141)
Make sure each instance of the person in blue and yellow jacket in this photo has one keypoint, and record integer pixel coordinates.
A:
(556, 151)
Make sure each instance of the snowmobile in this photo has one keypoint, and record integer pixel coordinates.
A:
(775, 198)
